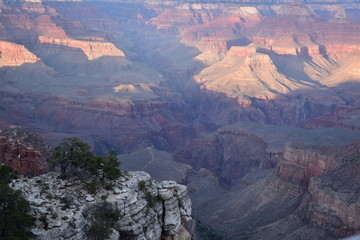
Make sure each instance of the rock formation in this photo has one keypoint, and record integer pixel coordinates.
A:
(12, 54)
(24, 152)
(148, 209)
(314, 193)
(301, 163)
(230, 154)
(92, 50)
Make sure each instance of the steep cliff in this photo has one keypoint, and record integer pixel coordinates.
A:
(12, 54)
(92, 50)
(24, 152)
(313, 193)
(302, 162)
(148, 209)
(230, 154)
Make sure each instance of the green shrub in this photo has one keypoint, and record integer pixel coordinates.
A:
(73, 156)
(91, 187)
(75, 159)
(159, 198)
(67, 201)
(103, 216)
(142, 186)
(109, 186)
(54, 215)
(150, 199)
(6, 174)
(15, 219)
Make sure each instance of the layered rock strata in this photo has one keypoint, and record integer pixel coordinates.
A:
(148, 209)
(328, 177)
(312, 194)
(230, 154)
(12, 55)
(92, 50)
(24, 152)
(302, 162)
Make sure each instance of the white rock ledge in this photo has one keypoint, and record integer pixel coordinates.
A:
(60, 204)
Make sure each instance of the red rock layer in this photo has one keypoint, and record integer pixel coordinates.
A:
(335, 196)
(230, 154)
(302, 162)
(331, 177)
(335, 201)
(24, 152)
(26, 27)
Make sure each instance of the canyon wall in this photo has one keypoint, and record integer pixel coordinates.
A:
(313, 193)
(24, 152)
(15, 55)
(301, 163)
(214, 64)
(230, 154)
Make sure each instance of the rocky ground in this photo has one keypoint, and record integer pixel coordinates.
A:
(148, 209)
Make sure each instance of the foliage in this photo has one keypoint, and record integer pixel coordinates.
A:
(150, 198)
(91, 187)
(142, 186)
(14, 209)
(6, 174)
(14, 214)
(110, 166)
(74, 158)
(103, 216)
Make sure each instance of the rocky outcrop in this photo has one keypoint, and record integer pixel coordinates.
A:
(148, 209)
(334, 200)
(230, 154)
(24, 152)
(12, 55)
(313, 194)
(92, 50)
(330, 178)
(302, 162)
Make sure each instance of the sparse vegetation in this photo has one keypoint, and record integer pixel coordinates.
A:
(6, 174)
(54, 215)
(67, 201)
(103, 217)
(150, 198)
(142, 186)
(15, 219)
(75, 159)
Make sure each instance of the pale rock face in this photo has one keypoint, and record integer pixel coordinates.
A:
(59, 206)
(92, 50)
(12, 55)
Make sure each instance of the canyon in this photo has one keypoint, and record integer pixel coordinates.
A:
(229, 98)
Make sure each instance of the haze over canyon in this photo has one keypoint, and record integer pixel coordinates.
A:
(254, 105)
